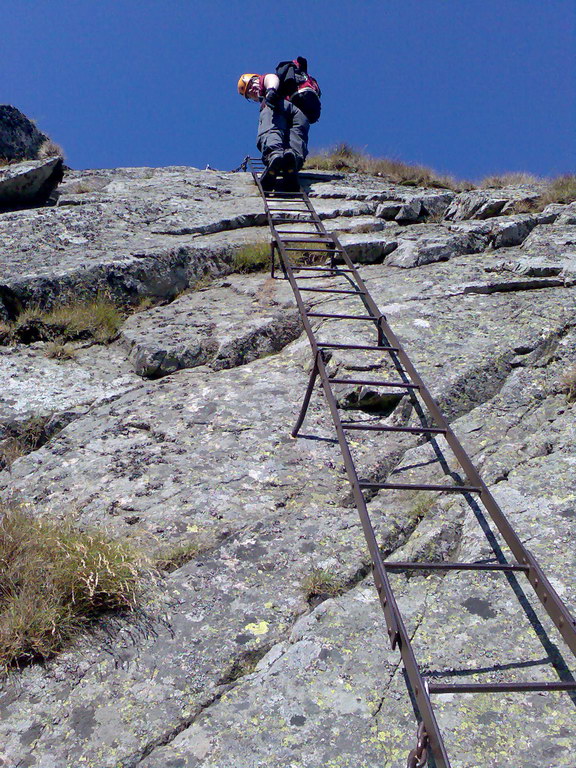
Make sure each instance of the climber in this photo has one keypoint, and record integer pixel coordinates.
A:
(290, 101)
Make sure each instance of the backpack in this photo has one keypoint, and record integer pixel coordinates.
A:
(299, 87)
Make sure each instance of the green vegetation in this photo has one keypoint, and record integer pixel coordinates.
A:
(345, 158)
(171, 558)
(423, 503)
(55, 580)
(98, 319)
(56, 350)
(252, 258)
(323, 583)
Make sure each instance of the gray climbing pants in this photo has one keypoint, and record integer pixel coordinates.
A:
(285, 127)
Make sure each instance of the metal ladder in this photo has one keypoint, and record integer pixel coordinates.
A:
(337, 264)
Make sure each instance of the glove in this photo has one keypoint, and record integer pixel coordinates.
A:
(271, 98)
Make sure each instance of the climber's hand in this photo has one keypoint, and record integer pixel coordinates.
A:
(271, 98)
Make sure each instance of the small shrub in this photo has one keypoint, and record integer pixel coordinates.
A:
(56, 350)
(569, 385)
(345, 158)
(252, 258)
(323, 583)
(54, 580)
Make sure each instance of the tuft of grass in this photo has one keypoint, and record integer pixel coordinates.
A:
(82, 187)
(423, 503)
(322, 583)
(24, 439)
(56, 350)
(171, 558)
(348, 159)
(98, 319)
(252, 258)
(55, 580)
(569, 385)
(508, 180)
(48, 149)
(560, 190)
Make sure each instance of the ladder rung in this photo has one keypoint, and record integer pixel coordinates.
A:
(300, 232)
(326, 269)
(499, 687)
(449, 566)
(334, 290)
(327, 239)
(289, 210)
(314, 250)
(419, 487)
(342, 317)
(293, 221)
(383, 428)
(268, 195)
(358, 346)
(366, 382)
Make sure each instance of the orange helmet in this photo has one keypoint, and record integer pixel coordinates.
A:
(243, 84)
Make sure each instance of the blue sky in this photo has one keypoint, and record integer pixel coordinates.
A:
(468, 87)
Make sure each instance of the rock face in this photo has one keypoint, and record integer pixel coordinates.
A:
(20, 139)
(179, 431)
(24, 185)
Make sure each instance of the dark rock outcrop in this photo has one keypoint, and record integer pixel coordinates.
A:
(20, 139)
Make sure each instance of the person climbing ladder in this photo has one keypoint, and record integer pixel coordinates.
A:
(290, 102)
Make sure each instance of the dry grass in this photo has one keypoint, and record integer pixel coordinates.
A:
(323, 583)
(50, 149)
(24, 438)
(98, 319)
(560, 190)
(508, 180)
(55, 580)
(345, 158)
(569, 385)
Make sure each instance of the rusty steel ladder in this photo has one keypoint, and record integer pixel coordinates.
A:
(280, 209)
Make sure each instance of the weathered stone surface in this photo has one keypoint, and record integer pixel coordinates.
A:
(431, 246)
(512, 230)
(483, 204)
(30, 183)
(35, 385)
(241, 319)
(232, 667)
(409, 212)
(388, 210)
(20, 139)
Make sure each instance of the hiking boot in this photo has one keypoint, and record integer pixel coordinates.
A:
(273, 168)
(289, 162)
(290, 182)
